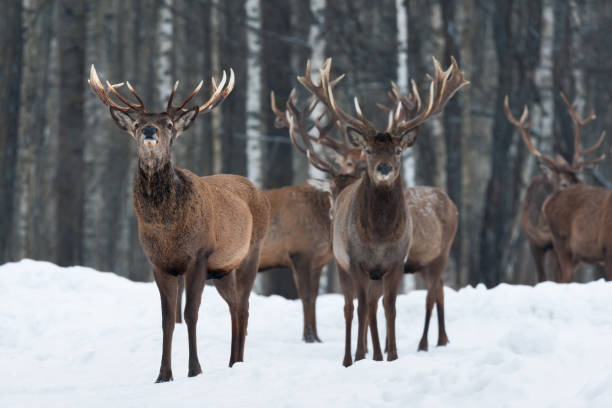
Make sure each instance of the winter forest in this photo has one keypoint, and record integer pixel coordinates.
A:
(67, 170)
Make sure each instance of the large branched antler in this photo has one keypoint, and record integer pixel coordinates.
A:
(104, 94)
(577, 163)
(219, 94)
(324, 93)
(295, 119)
(524, 127)
(443, 86)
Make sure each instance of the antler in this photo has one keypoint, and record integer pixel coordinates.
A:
(295, 119)
(219, 94)
(577, 164)
(324, 93)
(402, 107)
(443, 86)
(524, 128)
(104, 96)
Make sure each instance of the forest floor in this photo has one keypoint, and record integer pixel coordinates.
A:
(78, 337)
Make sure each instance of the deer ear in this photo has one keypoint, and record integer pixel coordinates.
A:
(409, 138)
(186, 119)
(355, 137)
(547, 171)
(122, 119)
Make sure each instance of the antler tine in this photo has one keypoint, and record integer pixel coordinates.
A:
(443, 86)
(281, 118)
(595, 146)
(220, 93)
(103, 95)
(524, 128)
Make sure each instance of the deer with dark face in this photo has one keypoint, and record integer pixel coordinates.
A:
(299, 236)
(558, 175)
(376, 222)
(189, 226)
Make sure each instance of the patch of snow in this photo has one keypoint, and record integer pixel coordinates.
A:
(78, 337)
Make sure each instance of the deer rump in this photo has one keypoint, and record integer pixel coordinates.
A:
(580, 220)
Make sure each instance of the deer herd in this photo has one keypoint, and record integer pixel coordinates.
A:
(223, 228)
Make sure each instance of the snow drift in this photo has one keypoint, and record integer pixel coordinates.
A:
(78, 337)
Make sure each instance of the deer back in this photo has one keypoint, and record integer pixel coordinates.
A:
(299, 224)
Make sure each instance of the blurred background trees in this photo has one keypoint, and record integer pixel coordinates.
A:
(66, 170)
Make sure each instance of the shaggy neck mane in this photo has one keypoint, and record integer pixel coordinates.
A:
(383, 210)
(159, 195)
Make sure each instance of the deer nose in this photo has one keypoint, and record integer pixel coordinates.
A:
(149, 131)
(384, 168)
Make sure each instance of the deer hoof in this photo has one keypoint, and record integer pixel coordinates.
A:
(392, 355)
(443, 342)
(309, 336)
(423, 345)
(195, 370)
(348, 361)
(165, 375)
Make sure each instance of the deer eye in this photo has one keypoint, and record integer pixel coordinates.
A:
(398, 152)
(169, 126)
(136, 125)
(368, 151)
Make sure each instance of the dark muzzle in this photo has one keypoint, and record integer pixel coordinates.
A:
(384, 168)
(149, 131)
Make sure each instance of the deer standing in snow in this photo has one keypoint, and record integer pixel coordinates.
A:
(558, 174)
(380, 229)
(193, 227)
(573, 218)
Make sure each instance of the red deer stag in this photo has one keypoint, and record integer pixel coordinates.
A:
(558, 175)
(299, 236)
(196, 227)
(380, 229)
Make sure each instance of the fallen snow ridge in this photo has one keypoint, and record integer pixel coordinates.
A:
(78, 337)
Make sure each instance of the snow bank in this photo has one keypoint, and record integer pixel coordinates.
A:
(78, 337)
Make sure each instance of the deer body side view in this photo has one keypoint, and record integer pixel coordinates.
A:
(190, 227)
(558, 175)
(299, 238)
(372, 221)
(580, 220)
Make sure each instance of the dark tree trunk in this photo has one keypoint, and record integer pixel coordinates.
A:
(70, 165)
(11, 55)
(278, 163)
(516, 25)
(453, 126)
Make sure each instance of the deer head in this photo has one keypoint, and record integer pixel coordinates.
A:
(155, 132)
(558, 171)
(383, 149)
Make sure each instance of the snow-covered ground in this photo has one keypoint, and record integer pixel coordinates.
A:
(78, 337)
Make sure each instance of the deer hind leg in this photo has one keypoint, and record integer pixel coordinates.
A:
(429, 302)
(168, 286)
(348, 290)
(373, 296)
(195, 281)
(539, 257)
(554, 265)
(245, 278)
(300, 266)
(442, 337)
(179, 298)
(315, 277)
(226, 287)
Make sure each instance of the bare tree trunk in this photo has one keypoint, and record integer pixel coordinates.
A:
(11, 54)
(512, 25)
